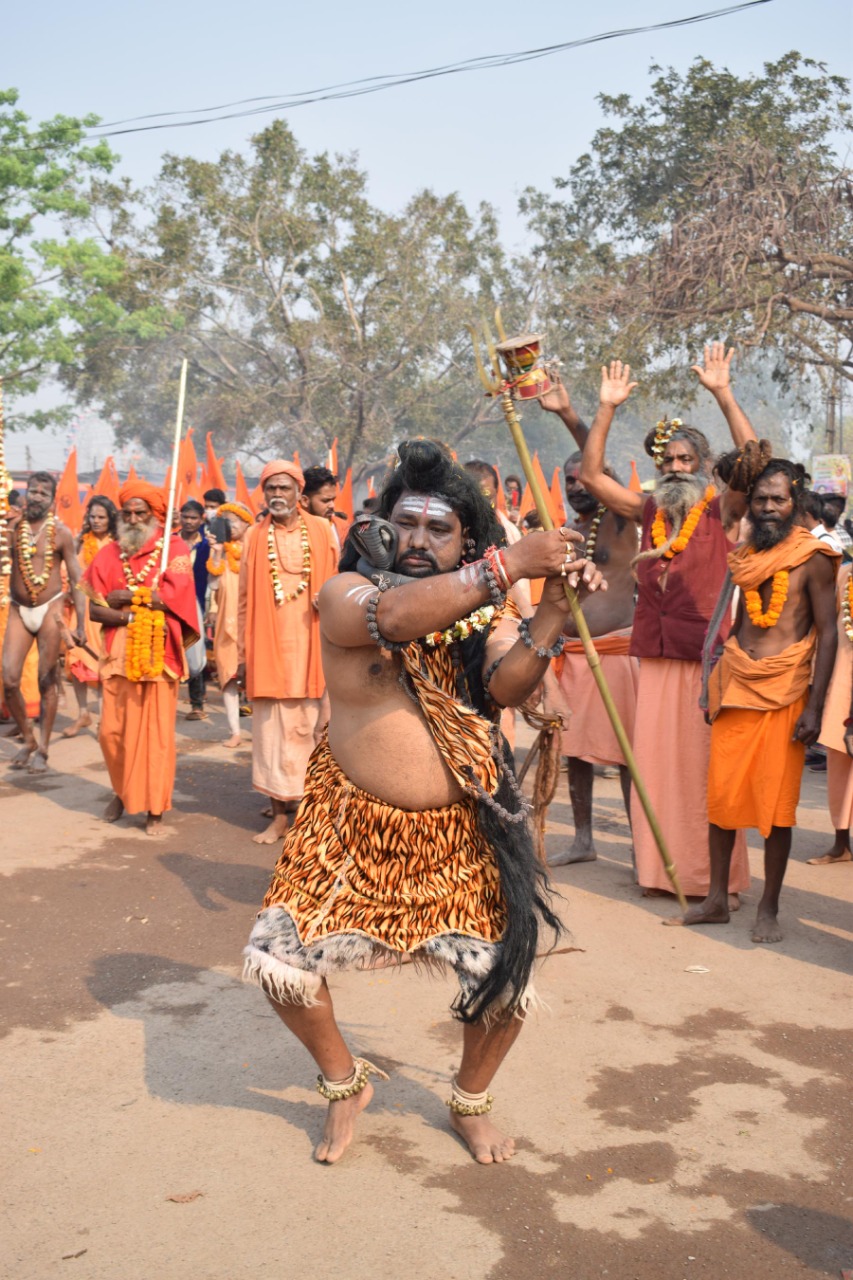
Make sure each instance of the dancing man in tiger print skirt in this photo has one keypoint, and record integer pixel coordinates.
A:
(411, 840)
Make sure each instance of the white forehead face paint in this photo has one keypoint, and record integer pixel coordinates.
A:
(360, 595)
(431, 508)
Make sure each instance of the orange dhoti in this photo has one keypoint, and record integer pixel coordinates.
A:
(590, 735)
(29, 676)
(137, 737)
(284, 733)
(755, 767)
(672, 744)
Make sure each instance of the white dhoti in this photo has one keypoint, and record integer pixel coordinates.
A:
(284, 733)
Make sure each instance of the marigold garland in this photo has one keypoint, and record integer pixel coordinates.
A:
(778, 596)
(477, 621)
(145, 655)
(272, 555)
(847, 608)
(233, 552)
(90, 545)
(687, 530)
(25, 546)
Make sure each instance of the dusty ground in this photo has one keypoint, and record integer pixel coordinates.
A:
(158, 1122)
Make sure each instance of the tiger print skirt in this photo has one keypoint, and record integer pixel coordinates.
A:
(360, 882)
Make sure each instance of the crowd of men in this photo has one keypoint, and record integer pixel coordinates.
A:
(381, 671)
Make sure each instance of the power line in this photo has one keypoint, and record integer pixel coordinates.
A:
(375, 84)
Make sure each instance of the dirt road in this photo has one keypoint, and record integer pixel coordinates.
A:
(683, 1107)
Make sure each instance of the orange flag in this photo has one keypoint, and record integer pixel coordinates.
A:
(557, 496)
(296, 458)
(131, 475)
(69, 508)
(543, 485)
(344, 500)
(108, 483)
(634, 483)
(371, 492)
(241, 491)
(500, 501)
(215, 477)
(188, 486)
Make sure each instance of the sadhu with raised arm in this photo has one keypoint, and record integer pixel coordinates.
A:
(411, 840)
(688, 530)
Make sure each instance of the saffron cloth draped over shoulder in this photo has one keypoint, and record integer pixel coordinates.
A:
(106, 573)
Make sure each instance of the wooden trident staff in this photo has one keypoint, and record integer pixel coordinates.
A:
(525, 381)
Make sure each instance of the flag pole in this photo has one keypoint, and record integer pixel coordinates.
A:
(173, 484)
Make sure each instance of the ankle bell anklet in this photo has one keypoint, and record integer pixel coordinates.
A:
(468, 1104)
(337, 1090)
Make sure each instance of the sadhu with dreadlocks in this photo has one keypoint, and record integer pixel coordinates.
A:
(687, 532)
(411, 840)
(765, 696)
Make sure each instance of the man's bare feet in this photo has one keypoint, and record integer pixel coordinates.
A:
(38, 763)
(233, 741)
(22, 759)
(114, 810)
(734, 902)
(266, 812)
(766, 928)
(82, 722)
(711, 911)
(277, 830)
(577, 853)
(340, 1126)
(154, 825)
(829, 859)
(486, 1143)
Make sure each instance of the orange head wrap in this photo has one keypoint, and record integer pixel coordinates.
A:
(279, 467)
(148, 493)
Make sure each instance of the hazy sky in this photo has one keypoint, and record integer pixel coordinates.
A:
(485, 134)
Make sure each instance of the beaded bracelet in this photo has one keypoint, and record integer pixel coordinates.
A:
(496, 592)
(393, 646)
(494, 557)
(529, 643)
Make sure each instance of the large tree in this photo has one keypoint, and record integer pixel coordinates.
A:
(716, 207)
(305, 312)
(45, 171)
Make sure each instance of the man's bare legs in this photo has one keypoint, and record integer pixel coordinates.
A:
(281, 814)
(84, 718)
(483, 1051)
(581, 774)
(777, 849)
(840, 851)
(16, 645)
(315, 1027)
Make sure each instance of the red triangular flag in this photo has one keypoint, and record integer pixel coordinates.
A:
(241, 491)
(69, 508)
(108, 483)
(215, 474)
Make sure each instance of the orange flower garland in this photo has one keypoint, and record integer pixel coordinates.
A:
(778, 596)
(146, 634)
(90, 545)
(687, 530)
(233, 552)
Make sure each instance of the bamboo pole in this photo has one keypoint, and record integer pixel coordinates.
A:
(514, 423)
(170, 505)
(5, 538)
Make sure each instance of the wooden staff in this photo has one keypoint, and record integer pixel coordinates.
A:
(499, 387)
(173, 484)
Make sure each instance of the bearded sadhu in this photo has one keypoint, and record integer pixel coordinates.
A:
(687, 532)
(148, 619)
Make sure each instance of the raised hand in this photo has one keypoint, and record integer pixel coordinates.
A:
(715, 373)
(557, 400)
(616, 384)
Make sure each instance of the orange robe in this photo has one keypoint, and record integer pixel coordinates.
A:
(589, 735)
(280, 646)
(225, 633)
(83, 665)
(836, 709)
(756, 767)
(30, 674)
(137, 732)
(673, 762)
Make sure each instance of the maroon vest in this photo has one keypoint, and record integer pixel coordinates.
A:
(672, 623)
